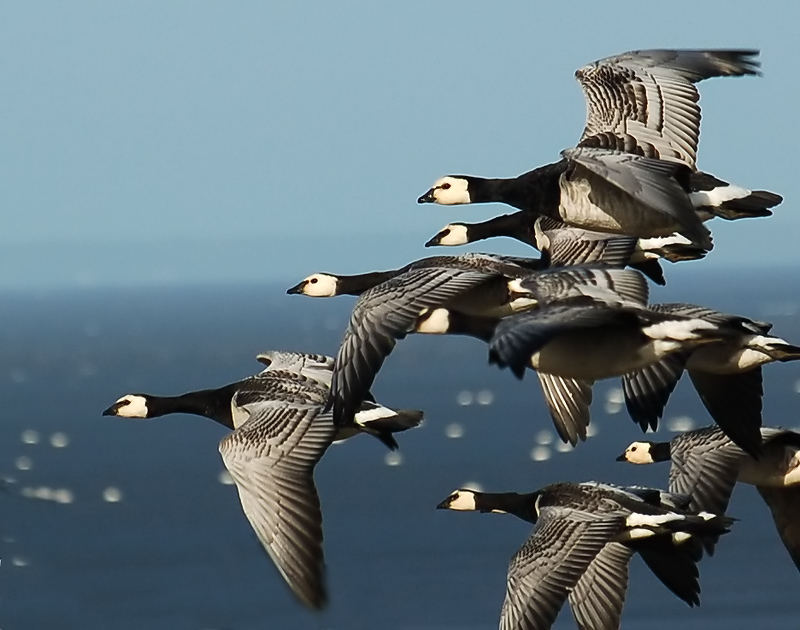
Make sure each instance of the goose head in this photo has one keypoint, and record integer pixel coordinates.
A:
(448, 191)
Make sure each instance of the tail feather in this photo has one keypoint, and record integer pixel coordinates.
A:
(676, 252)
(784, 351)
(382, 422)
(728, 201)
(756, 204)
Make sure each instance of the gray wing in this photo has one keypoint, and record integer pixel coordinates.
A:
(747, 325)
(568, 400)
(645, 101)
(599, 284)
(576, 246)
(734, 401)
(647, 390)
(380, 317)
(784, 503)
(315, 366)
(541, 574)
(705, 465)
(271, 458)
(599, 595)
(633, 184)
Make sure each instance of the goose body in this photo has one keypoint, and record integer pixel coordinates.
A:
(477, 289)
(567, 245)
(571, 345)
(633, 171)
(726, 374)
(582, 543)
(279, 434)
(706, 464)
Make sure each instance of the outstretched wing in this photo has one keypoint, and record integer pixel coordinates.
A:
(381, 316)
(550, 563)
(646, 102)
(705, 465)
(271, 458)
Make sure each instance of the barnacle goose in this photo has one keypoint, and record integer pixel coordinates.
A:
(633, 170)
(279, 434)
(217, 404)
(450, 294)
(572, 343)
(727, 375)
(582, 543)
(569, 245)
(706, 464)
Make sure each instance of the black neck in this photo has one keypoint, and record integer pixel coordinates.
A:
(210, 403)
(660, 451)
(357, 284)
(516, 225)
(520, 505)
(536, 191)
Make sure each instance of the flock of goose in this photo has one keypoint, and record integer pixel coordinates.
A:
(627, 198)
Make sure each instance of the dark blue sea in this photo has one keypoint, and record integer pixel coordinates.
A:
(119, 524)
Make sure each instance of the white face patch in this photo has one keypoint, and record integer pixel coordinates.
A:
(136, 407)
(435, 322)
(639, 453)
(456, 234)
(320, 285)
(450, 191)
(462, 500)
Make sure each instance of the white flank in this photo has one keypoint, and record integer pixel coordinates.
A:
(747, 359)
(680, 537)
(657, 242)
(679, 329)
(363, 418)
(462, 500)
(522, 303)
(457, 235)
(542, 241)
(637, 533)
(435, 322)
(651, 520)
(706, 516)
(719, 195)
(515, 286)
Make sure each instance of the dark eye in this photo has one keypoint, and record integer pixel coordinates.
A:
(633, 448)
(445, 186)
(313, 280)
(444, 232)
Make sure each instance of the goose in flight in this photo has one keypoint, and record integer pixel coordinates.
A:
(634, 170)
(279, 433)
(581, 546)
(706, 464)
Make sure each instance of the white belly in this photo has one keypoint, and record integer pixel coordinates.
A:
(609, 210)
(777, 468)
(725, 358)
(586, 355)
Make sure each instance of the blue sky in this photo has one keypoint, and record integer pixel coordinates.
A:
(191, 142)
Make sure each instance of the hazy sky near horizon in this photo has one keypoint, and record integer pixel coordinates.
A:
(189, 142)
